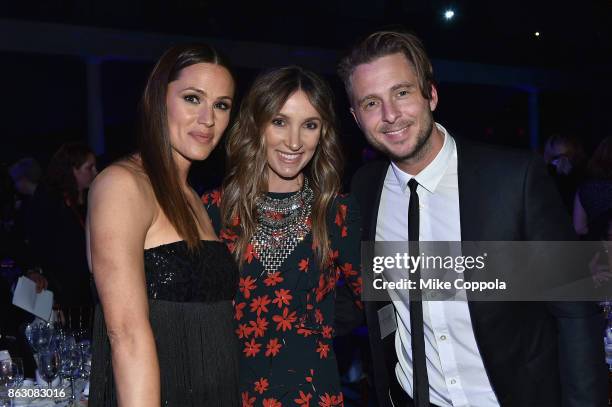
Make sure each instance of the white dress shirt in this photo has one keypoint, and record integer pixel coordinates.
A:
(455, 368)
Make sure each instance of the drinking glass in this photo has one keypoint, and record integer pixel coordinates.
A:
(49, 365)
(18, 371)
(7, 380)
(39, 336)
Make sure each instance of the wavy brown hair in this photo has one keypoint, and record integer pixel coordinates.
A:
(154, 141)
(247, 171)
(59, 178)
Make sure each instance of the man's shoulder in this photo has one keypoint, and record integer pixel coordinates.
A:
(490, 156)
(368, 174)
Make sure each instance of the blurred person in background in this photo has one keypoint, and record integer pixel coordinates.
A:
(12, 318)
(55, 229)
(25, 174)
(593, 207)
(564, 156)
(593, 200)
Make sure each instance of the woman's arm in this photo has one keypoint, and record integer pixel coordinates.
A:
(120, 213)
(346, 240)
(581, 225)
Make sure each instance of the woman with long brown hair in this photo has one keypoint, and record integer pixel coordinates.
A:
(55, 230)
(292, 235)
(163, 334)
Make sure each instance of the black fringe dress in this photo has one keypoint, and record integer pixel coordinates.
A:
(190, 299)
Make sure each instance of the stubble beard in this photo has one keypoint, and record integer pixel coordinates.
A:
(421, 148)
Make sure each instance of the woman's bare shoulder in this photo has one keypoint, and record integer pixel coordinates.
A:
(125, 179)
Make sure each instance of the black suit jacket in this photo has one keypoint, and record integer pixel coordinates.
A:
(534, 353)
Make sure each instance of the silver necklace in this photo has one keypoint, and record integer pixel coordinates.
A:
(281, 225)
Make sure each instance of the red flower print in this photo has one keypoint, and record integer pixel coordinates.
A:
(331, 282)
(304, 399)
(249, 252)
(258, 327)
(333, 255)
(330, 400)
(322, 350)
(356, 285)
(282, 297)
(213, 197)
(273, 347)
(260, 304)
(305, 332)
(246, 285)
(319, 316)
(303, 265)
(238, 314)
(344, 232)
(251, 348)
(273, 279)
(347, 270)
(322, 288)
(261, 385)
(328, 331)
(216, 197)
(340, 215)
(271, 403)
(284, 322)
(243, 331)
(246, 400)
(309, 378)
(228, 235)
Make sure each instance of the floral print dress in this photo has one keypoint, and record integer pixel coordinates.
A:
(285, 320)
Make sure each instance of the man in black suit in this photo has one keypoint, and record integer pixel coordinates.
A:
(435, 187)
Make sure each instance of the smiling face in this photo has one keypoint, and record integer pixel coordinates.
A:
(390, 109)
(198, 103)
(291, 140)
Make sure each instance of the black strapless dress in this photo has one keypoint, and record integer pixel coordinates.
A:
(190, 299)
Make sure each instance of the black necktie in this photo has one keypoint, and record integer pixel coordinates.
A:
(420, 382)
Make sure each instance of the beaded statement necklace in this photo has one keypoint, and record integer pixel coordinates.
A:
(281, 225)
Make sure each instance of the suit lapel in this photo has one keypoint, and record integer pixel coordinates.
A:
(376, 193)
(472, 185)
(469, 187)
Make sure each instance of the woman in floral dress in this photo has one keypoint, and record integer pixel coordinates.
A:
(293, 236)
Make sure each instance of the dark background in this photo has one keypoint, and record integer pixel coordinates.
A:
(45, 88)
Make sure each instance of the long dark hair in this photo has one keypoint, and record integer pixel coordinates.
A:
(247, 175)
(154, 140)
(600, 164)
(59, 178)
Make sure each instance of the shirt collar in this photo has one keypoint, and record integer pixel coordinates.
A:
(430, 176)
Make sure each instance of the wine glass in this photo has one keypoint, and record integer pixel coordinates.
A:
(18, 371)
(71, 359)
(49, 365)
(7, 379)
(39, 336)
